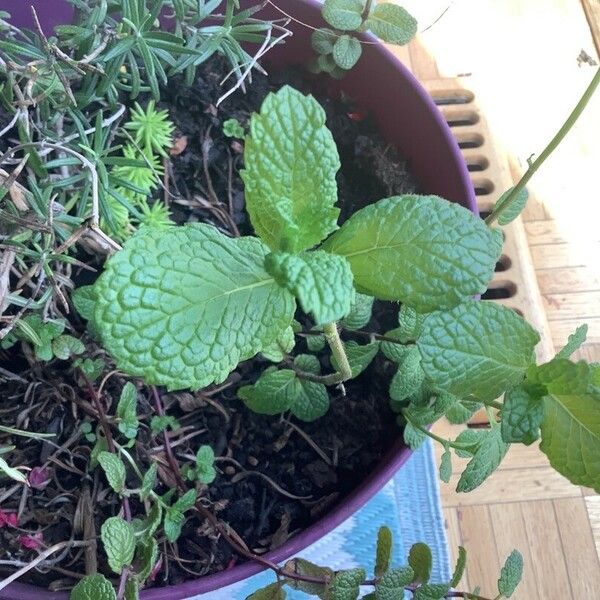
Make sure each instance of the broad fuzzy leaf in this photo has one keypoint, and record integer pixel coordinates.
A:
(345, 584)
(322, 282)
(420, 560)
(511, 574)
(312, 401)
(384, 550)
(290, 165)
(360, 312)
(276, 350)
(65, 346)
(346, 51)
(93, 587)
(410, 323)
(359, 356)
(114, 469)
(462, 410)
(182, 307)
(409, 377)
(522, 414)
(477, 348)
(343, 14)
(421, 250)
(127, 411)
(119, 542)
(273, 393)
(413, 437)
(322, 40)
(308, 363)
(392, 23)
(516, 207)
(485, 461)
(392, 583)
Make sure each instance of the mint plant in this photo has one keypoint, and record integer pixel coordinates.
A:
(339, 49)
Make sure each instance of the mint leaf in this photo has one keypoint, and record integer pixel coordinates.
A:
(148, 481)
(146, 557)
(345, 584)
(160, 423)
(360, 312)
(273, 591)
(511, 574)
(114, 469)
(396, 352)
(516, 206)
(420, 250)
(93, 587)
(461, 411)
(431, 591)
(300, 566)
(119, 543)
(127, 411)
(413, 437)
(132, 590)
(391, 585)
(346, 51)
(409, 377)
(92, 369)
(575, 341)
(571, 423)
(290, 165)
(446, 466)
(205, 464)
(84, 300)
(273, 393)
(343, 14)
(65, 346)
(233, 128)
(276, 350)
(315, 342)
(392, 23)
(312, 401)
(322, 282)
(322, 40)
(384, 550)
(459, 569)
(410, 323)
(174, 517)
(485, 461)
(182, 306)
(308, 363)
(470, 439)
(420, 560)
(359, 356)
(522, 413)
(477, 348)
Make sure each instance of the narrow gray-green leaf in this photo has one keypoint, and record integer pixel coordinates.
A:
(421, 561)
(516, 206)
(392, 23)
(181, 307)
(477, 348)
(511, 574)
(290, 165)
(322, 282)
(384, 550)
(575, 341)
(421, 250)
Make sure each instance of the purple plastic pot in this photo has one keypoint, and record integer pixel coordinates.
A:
(408, 118)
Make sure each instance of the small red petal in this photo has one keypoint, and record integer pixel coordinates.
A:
(39, 477)
(32, 542)
(10, 519)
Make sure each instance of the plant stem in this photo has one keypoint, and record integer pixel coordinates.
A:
(332, 335)
(367, 9)
(556, 140)
(433, 436)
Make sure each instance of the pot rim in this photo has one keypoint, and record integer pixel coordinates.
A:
(376, 480)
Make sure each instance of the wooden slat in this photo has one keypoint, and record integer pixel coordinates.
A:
(550, 231)
(547, 551)
(511, 485)
(561, 330)
(575, 532)
(570, 279)
(572, 306)
(509, 533)
(593, 508)
(563, 255)
(478, 535)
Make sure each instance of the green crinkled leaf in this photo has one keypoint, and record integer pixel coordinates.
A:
(343, 14)
(459, 569)
(392, 23)
(511, 574)
(485, 461)
(516, 206)
(420, 250)
(522, 413)
(322, 40)
(410, 323)
(446, 466)
(571, 423)
(148, 481)
(391, 585)
(470, 439)
(395, 352)
(413, 437)
(114, 469)
(345, 584)
(346, 51)
(93, 587)
(274, 392)
(360, 312)
(132, 590)
(420, 560)
(359, 356)
(290, 165)
(276, 350)
(384, 551)
(575, 341)
(273, 591)
(431, 591)
(65, 346)
(300, 566)
(312, 401)
(174, 515)
(462, 410)
(477, 348)
(308, 363)
(433, 409)
(409, 377)
(205, 464)
(84, 299)
(127, 411)
(146, 557)
(119, 543)
(181, 307)
(322, 282)
(315, 342)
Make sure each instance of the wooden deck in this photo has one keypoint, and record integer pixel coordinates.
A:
(527, 61)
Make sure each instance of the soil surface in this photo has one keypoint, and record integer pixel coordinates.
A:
(276, 475)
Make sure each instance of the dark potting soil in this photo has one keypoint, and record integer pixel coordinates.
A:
(276, 475)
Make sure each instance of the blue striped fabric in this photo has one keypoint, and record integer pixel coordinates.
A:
(409, 505)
